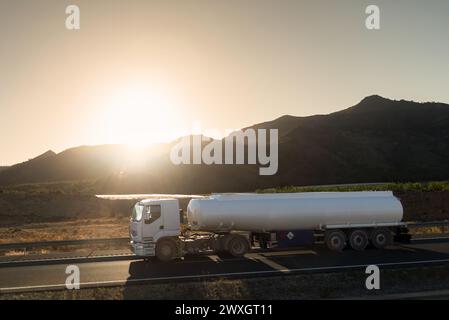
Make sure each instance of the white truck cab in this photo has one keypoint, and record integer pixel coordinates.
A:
(151, 221)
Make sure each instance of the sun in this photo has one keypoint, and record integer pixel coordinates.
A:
(137, 115)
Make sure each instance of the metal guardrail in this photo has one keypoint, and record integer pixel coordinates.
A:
(59, 243)
(42, 244)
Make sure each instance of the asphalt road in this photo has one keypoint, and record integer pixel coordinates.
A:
(262, 263)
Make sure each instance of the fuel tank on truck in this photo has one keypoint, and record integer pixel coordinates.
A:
(293, 211)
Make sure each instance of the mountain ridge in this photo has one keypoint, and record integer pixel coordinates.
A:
(378, 139)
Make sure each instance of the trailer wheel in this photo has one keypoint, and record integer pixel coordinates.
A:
(166, 250)
(335, 240)
(237, 246)
(358, 239)
(380, 238)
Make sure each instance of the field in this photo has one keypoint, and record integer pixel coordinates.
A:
(66, 230)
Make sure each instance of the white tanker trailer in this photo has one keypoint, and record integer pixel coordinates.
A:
(235, 223)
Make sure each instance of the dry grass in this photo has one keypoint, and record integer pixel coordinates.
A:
(14, 253)
(11, 253)
(429, 230)
(44, 251)
(66, 230)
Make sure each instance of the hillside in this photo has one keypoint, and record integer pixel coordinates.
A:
(376, 140)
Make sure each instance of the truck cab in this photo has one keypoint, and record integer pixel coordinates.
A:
(151, 221)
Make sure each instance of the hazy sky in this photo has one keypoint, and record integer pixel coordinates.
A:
(141, 71)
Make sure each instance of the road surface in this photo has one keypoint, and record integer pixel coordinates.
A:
(262, 263)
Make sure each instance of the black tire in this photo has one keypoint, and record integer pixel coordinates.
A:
(166, 250)
(358, 239)
(237, 246)
(335, 240)
(380, 238)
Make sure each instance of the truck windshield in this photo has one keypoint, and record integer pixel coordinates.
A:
(137, 213)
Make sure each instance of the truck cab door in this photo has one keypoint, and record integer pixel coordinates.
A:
(153, 225)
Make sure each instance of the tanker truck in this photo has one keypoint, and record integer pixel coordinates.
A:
(236, 223)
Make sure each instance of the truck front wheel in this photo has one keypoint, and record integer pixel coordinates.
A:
(335, 240)
(166, 250)
(238, 246)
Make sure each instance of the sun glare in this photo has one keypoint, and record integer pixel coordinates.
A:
(138, 116)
